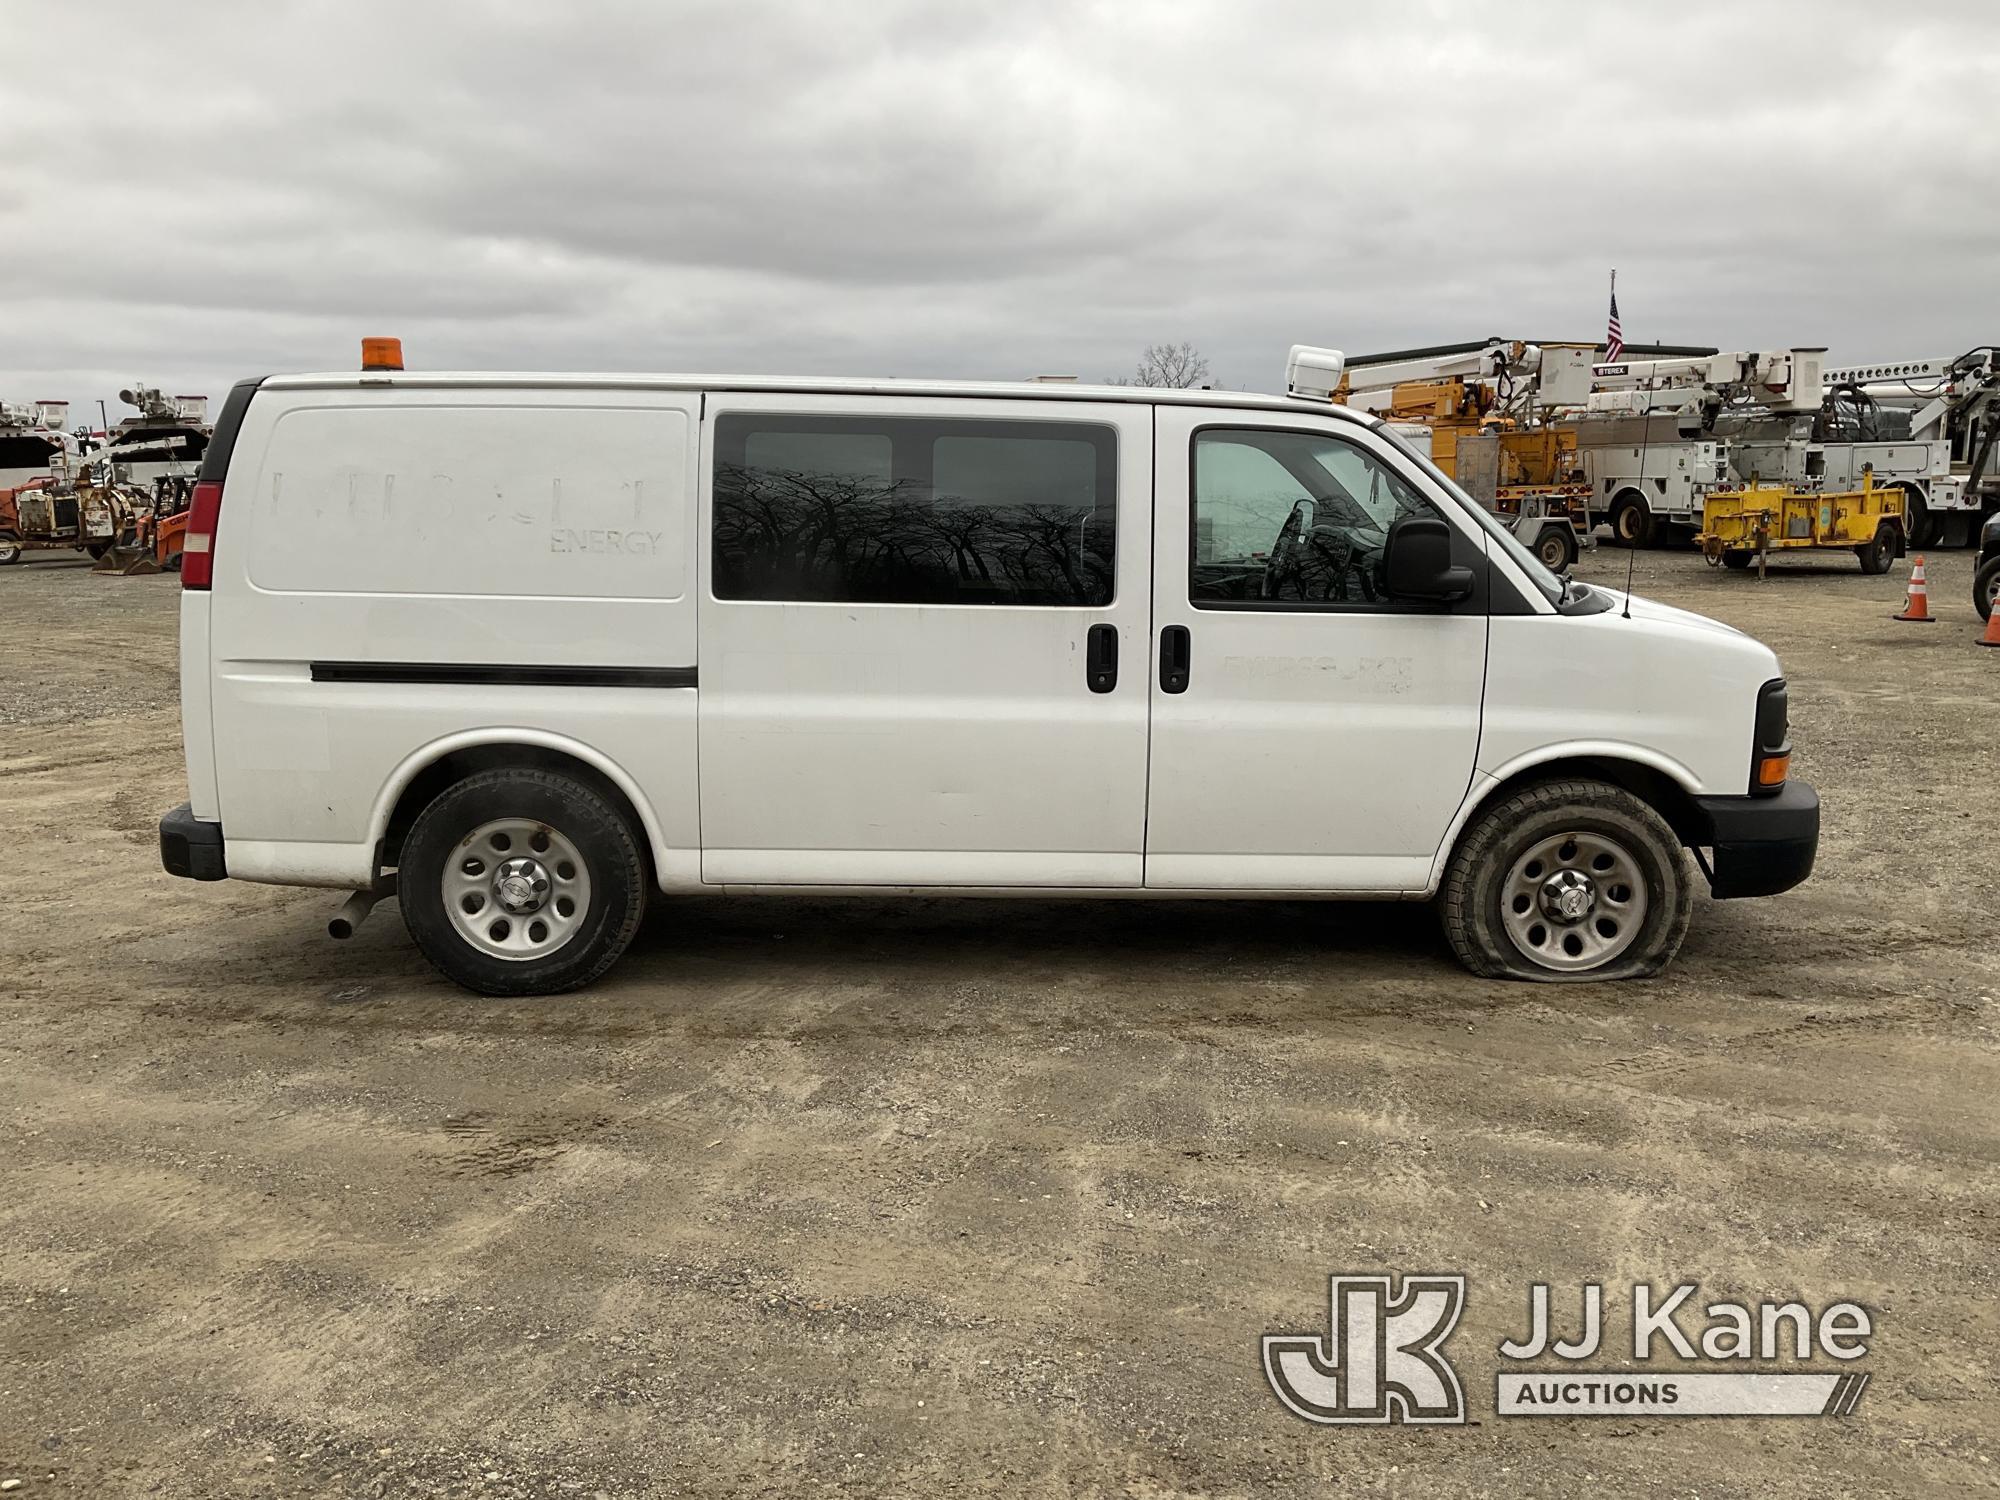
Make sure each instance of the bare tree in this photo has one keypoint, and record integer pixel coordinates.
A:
(1173, 367)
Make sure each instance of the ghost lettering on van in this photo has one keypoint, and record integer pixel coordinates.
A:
(473, 502)
(636, 543)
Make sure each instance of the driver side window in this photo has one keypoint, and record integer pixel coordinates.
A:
(1290, 520)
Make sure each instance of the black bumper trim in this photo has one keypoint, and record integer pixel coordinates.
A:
(491, 674)
(1762, 845)
(190, 847)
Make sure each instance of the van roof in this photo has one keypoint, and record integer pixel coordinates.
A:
(1018, 390)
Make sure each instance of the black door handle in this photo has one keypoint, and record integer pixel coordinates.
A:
(1176, 658)
(1100, 667)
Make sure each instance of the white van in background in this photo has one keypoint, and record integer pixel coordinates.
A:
(525, 649)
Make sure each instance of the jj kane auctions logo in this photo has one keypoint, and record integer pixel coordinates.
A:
(1382, 1358)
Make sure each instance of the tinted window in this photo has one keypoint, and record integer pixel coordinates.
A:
(894, 510)
(1292, 518)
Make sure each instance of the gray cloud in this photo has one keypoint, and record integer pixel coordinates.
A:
(909, 188)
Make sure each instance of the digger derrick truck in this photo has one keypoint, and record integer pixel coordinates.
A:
(146, 477)
(1927, 426)
(164, 441)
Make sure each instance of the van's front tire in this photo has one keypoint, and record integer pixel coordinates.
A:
(1567, 880)
(521, 882)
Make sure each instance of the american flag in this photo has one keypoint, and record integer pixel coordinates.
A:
(1614, 336)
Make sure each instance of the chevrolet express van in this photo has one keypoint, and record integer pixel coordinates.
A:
(525, 650)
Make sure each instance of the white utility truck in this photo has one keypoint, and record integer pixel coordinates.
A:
(1927, 425)
(1648, 437)
(527, 650)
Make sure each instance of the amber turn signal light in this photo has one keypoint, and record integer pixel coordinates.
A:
(381, 354)
(1773, 769)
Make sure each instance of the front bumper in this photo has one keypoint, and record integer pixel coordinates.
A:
(1762, 845)
(191, 847)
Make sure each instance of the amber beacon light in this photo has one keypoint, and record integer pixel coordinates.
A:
(381, 354)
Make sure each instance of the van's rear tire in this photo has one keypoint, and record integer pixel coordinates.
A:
(1507, 902)
(557, 893)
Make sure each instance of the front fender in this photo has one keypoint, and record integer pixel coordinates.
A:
(1486, 782)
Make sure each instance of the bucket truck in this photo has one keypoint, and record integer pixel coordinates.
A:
(1652, 437)
(1489, 411)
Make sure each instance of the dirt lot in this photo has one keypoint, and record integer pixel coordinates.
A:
(958, 1197)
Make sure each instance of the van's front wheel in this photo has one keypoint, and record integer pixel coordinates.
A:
(521, 882)
(1568, 880)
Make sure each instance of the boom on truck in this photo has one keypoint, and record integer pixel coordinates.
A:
(1498, 412)
(1926, 425)
(1654, 440)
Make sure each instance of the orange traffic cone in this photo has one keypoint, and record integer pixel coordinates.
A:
(1917, 603)
(1992, 636)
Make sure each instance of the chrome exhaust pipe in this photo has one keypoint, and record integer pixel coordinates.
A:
(350, 914)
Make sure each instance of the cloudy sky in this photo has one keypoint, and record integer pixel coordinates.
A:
(988, 189)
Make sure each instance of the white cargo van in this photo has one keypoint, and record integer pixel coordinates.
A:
(527, 649)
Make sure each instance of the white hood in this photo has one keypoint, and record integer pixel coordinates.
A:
(1666, 614)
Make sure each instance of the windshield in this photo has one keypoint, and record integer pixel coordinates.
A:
(1553, 588)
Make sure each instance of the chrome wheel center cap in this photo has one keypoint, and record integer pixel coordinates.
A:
(521, 885)
(1568, 897)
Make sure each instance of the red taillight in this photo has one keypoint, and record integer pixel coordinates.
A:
(198, 545)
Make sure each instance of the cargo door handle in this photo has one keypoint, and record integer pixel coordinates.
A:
(1176, 658)
(1100, 667)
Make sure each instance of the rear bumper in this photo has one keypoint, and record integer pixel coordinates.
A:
(1762, 845)
(191, 847)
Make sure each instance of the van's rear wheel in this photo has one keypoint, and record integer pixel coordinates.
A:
(1568, 880)
(521, 882)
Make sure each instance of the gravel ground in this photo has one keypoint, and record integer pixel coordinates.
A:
(969, 1198)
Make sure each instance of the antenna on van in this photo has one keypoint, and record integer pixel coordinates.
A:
(1645, 444)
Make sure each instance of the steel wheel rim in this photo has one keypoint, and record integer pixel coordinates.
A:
(1993, 592)
(9, 551)
(1573, 901)
(516, 889)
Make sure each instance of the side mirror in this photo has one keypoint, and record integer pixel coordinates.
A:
(1416, 562)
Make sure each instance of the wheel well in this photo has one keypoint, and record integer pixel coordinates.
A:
(1632, 494)
(1656, 789)
(454, 766)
